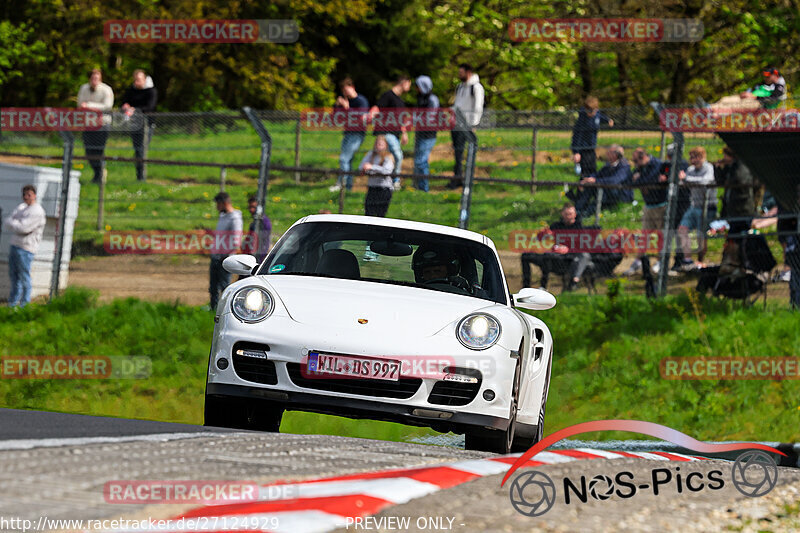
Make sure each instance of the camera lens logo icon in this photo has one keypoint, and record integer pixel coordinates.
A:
(532, 493)
(754, 473)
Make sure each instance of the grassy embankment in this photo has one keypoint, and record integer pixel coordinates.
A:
(609, 370)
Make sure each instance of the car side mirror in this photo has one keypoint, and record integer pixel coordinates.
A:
(241, 264)
(534, 299)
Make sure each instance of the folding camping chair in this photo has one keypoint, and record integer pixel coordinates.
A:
(746, 264)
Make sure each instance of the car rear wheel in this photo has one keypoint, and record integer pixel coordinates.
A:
(240, 413)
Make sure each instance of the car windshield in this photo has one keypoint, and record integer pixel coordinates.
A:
(388, 255)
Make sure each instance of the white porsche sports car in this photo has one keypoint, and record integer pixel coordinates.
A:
(384, 319)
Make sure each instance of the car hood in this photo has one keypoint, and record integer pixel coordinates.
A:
(341, 303)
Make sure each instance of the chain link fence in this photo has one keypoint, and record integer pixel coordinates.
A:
(163, 170)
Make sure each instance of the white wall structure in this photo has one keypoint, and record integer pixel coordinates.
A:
(48, 191)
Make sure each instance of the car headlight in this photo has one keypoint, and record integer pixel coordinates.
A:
(252, 304)
(478, 332)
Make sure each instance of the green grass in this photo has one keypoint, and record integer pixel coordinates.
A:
(606, 365)
(179, 198)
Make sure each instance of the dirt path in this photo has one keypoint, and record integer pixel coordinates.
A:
(185, 278)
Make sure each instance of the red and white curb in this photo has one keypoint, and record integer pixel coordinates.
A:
(326, 504)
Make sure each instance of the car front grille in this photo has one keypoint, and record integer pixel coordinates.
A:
(403, 388)
(251, 364)
(453, 392)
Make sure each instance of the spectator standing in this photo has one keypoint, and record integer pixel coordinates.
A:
(771, 92)
(259, 232)
(229, 230)
(353, 102)
(655, 204)
(378, 164)
(141, 96)
(616, 171)
(424, 141)
(684, 198)
(394, 137)
(560, 259)
(26, 223)
(791, 249)
(700, 172)
(738, 200)
(584, 136)
(98, 96)
(470, 96)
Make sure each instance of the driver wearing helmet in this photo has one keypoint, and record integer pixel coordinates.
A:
(437, 266)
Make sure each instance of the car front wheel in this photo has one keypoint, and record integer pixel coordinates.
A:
(240, 413)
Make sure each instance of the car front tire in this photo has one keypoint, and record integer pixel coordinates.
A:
(241, 413)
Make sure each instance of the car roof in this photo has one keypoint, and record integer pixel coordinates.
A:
(404, 224)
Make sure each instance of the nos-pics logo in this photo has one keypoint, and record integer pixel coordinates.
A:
(533, 493)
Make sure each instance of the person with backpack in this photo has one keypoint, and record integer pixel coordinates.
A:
(469, 101)
(424, 140)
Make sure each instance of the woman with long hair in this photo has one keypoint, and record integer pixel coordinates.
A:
(378, 165)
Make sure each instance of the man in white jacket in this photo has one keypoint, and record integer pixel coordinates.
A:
(100, 97)
(27, 225)
(469, 101)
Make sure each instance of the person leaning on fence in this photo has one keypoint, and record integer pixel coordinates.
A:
(469, 101)
(353, 102)
(26, 224)
(229, 231)
(424, 141)
(700, 174)
(259, 233)
(141, 96)
(738, 200)
(616, 171)
(584, 136)
(389, 101)
(560, 260)
(98, 96)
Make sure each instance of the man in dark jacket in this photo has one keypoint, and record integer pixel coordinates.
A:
(560, 259)
(738, 200)
(140, 97)
(655, 204)
(616, 171)
(584, 136)
(259, 232)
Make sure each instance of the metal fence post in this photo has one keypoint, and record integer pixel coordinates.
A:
(146, 132)
(469, 170)
(223, 174)
(534, 145)
(297, 150)
(266, 154)
(671, 212)
(66, 169)
(101, 202)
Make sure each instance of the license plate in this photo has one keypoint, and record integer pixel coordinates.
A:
(356, 367)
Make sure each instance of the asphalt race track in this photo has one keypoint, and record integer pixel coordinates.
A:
(55, 466)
